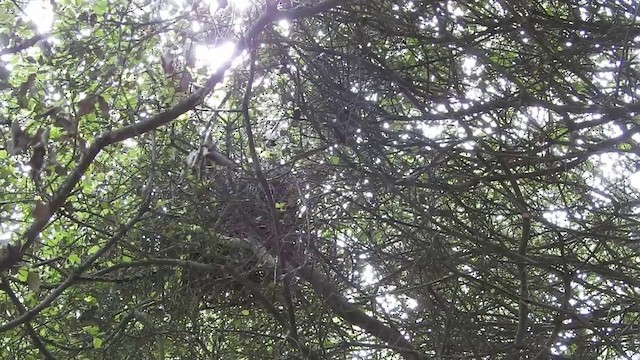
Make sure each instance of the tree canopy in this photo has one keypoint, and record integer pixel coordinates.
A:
(321, 179)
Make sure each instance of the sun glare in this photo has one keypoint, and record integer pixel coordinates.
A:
(213, 57)
(237, 4)
(41, 14)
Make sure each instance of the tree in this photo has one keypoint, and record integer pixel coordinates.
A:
(319, 179)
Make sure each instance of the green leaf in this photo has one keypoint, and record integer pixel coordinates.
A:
(100, 7)
(74, 259)
(33, 281)
(245, 312)
(91, 330)
(23, 274)
(97, 343)
(94, 249)
(624, 146)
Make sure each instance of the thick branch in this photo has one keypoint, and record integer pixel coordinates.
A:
(307, 11)
(355, 316)
(524, 286)
(24, 45)
(343, 308)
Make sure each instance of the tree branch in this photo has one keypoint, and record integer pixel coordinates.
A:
(307, 11)
(356, 316)
(24, 45)
(252, 147)
(29, 329)
(342, 307)
(30, 314)
(127, 132)
(523, 312)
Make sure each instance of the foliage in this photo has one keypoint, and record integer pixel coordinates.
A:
(319, 179)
